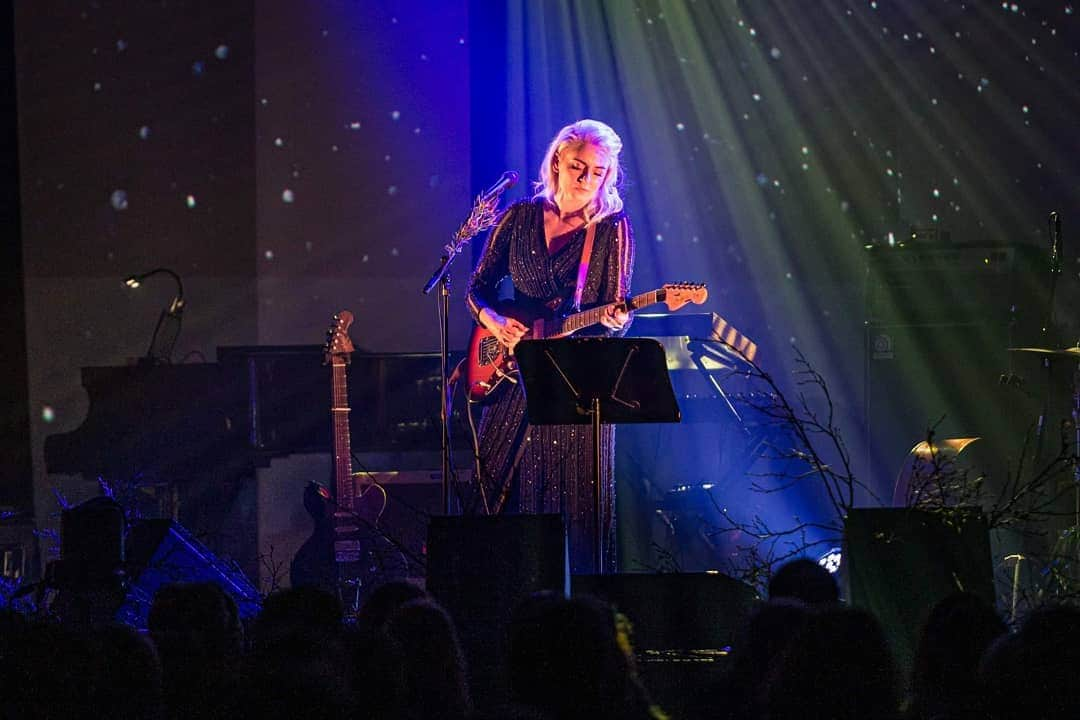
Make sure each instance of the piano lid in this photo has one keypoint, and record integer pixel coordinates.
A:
(151, 421)
(170, 422)
(393, 398)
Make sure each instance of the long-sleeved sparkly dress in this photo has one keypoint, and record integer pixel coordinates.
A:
(549, 469)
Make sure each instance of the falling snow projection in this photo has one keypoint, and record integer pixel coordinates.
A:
(925, 96)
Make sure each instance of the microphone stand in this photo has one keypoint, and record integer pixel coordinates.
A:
(1048, 335)
(483, 216)
(1055, 270)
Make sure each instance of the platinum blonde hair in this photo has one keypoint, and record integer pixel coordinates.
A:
(593, 132)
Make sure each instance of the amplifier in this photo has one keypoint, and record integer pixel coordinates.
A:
(413, 495)
(961, 283)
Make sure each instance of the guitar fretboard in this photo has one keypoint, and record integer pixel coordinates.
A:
(339, 409)
(586, 318)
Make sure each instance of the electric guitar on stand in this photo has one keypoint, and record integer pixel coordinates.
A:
(489, 363)
(343, 553)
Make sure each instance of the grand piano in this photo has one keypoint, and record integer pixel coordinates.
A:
(201, 430)
(260, 402)
(186, 441)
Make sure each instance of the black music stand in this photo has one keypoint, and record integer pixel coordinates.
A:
(596, 380)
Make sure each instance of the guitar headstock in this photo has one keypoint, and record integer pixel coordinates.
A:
(337, 337)
(678, 294)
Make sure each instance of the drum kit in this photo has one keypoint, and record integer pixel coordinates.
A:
(1069, 355)
(1065, 557)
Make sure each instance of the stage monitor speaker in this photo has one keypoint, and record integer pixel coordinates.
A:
(91, 541)
(481, 568)
(899, 562)
(675, 611)
(160, 552)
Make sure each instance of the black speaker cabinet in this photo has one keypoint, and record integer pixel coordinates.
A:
(160, 552)
(899, 562)
(480, 567)
(91, 541)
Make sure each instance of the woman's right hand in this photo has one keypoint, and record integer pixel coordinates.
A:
(506, 330)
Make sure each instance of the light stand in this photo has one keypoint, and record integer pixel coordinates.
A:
(167, 330)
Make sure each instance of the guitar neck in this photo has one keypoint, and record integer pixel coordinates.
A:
(339, 410)
(586, 318)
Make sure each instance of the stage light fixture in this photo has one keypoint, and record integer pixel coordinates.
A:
(831, 560)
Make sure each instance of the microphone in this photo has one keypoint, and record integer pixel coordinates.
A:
(507, 180)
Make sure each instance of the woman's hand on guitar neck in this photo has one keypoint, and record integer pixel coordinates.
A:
(614, 317)
(506, 330)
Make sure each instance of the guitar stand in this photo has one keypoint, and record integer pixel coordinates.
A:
(376, 531)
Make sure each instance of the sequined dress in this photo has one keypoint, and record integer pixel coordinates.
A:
(549, 469)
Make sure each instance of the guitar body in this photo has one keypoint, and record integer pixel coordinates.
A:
(345, 552)
(489, 365)
(314, 565)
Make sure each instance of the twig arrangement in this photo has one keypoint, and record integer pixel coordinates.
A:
(813, 451)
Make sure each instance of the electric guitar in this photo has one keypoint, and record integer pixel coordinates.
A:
(340, 549)
(489, 363)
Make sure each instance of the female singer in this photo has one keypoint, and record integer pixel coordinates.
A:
(539, 244)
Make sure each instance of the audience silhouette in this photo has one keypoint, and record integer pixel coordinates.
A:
(196, 629)
(804, 580)
(838, 667)
(435, 675)
(571, 658)
(1033, 673)
(944, 684)
(801, 655)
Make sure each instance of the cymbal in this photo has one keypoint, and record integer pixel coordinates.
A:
(1072, 352)
(950, 447)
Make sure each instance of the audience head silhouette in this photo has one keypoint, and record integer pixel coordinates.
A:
(567, 659)
(806, 581)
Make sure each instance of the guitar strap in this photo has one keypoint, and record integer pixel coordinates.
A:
(583, 266)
